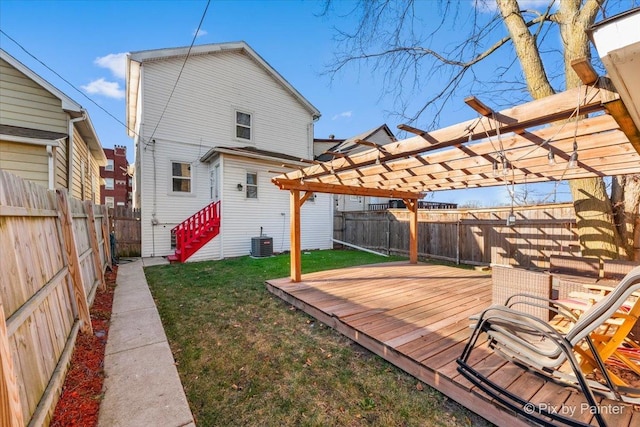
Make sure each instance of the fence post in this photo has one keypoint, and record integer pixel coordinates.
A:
(10, 407)
(80, 296)
(93, 239)
(107, 235)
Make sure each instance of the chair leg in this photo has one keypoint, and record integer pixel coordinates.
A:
(523, 407)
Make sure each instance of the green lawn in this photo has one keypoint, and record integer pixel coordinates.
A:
(246, 358)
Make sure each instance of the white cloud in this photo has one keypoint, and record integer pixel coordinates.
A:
(200, 33)
(105, 88)
(116, 62)
(344, 114)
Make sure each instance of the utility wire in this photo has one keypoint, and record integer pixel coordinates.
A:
(195, 35)
(67, 82)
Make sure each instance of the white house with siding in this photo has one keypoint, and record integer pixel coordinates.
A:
(45, 136)
(216, 124)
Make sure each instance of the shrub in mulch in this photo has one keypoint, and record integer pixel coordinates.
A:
(79, 402)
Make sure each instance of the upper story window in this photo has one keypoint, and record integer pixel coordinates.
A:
(108, 183)
(243, 125)
(180, 177)
(252, 185)
(109, 166)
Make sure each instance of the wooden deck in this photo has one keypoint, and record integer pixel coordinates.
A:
(416, 317)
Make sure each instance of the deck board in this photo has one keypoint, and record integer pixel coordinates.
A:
(416, 317)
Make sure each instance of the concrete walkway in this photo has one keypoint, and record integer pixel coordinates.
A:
(142, 386)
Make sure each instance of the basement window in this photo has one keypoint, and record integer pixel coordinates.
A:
(180, 177)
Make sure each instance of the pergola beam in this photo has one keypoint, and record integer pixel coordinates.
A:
(319, 187)
(584, 70)
(478, 105)
(535, 113)
(596, 132)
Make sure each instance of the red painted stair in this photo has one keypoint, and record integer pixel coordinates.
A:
(196, 231)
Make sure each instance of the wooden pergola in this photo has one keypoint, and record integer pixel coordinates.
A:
(580, 133)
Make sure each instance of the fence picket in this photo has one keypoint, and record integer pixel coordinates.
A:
(471, 236)
(44, 284)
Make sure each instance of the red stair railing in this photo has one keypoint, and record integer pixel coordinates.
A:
(195, 231)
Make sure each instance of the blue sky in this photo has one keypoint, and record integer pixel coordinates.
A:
(84, 41)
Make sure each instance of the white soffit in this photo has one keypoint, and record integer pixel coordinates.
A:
(618, 43)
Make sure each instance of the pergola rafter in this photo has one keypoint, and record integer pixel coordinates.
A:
(522, 140)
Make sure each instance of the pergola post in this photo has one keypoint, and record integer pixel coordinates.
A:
(296, 255)
(412, 205)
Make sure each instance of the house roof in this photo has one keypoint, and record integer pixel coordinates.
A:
(347, 146)
(35, 134)
(254, 153)
(135, 60)
(74, 109)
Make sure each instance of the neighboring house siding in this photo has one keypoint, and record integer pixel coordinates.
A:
(61, 164)
(93, 178)
(27, 161)
(26, 104)
(202, 112)
(85, 185)
(353, 203)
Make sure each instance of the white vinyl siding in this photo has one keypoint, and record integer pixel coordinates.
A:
(27, 161)
(201, 109)
(24, 103)
(200, 116)
(241, 220)
(170, 208)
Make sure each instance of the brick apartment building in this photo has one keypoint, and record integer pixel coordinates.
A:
(116, 190)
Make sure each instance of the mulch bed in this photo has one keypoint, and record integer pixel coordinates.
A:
(79, 402)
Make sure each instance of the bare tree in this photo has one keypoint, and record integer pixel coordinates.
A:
(402, 40)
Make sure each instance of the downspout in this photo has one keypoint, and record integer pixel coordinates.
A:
(51, 166)
(70, 151)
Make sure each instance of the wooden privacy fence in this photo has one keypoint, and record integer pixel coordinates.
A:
(478, 236)
(125, 224)
(54, 254)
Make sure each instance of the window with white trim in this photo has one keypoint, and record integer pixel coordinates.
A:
(109, 166)
(252, 185)
(181, 177)
(243, 125)
(108, 201)
(108, 183)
